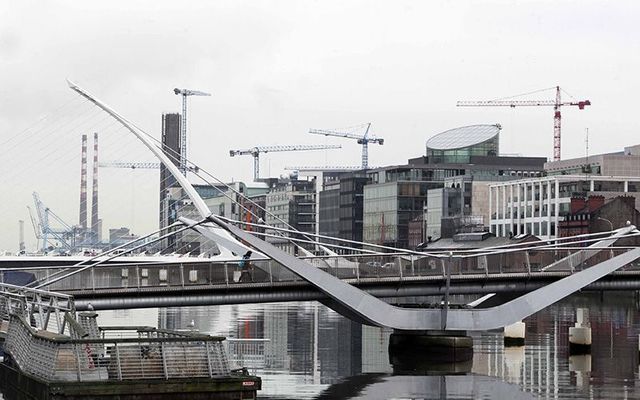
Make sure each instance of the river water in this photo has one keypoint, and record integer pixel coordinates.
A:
(306, 351)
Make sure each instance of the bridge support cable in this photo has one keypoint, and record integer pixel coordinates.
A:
(369, 308)
(101, 260)
(99, 256)
(380, 313)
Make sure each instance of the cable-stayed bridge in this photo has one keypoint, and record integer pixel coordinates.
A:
(567, 266)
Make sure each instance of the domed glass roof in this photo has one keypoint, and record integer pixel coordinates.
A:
(463, 137)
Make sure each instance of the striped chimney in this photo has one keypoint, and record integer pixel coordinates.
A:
(95, 226)
(83, 185)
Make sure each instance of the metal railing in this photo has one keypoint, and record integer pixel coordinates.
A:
(153, 354)
(36, 305)
(361, 268)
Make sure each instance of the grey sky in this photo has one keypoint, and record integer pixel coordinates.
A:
(278, 68)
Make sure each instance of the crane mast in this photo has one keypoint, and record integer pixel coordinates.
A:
(556, 104)
(363, 139)
(183, 125)
(255, 152)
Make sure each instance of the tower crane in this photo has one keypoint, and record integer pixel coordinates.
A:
(183, 125)
(556, 104)
(132, 165)
(255, 152)
(364, 139)
(137, 165)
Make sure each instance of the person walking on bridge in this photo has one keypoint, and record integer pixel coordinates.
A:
(246, 267)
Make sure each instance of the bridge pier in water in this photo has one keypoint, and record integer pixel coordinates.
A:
(431, 350)
(580, 333)
(514, 334)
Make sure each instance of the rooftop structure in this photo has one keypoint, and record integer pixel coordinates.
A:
(459, 144)
(622, 163)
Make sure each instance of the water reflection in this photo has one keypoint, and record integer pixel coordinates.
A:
(306, 351)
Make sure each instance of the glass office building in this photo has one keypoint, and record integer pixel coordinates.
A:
(460, 144)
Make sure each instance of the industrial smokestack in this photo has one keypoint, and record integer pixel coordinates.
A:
(21, 246)
(83, 185)
(95, 224)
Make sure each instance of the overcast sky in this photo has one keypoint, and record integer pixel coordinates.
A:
(278, 68)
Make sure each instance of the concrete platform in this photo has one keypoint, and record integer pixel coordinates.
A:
(16, 384)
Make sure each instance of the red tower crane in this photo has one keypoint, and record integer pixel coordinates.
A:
(556, 104)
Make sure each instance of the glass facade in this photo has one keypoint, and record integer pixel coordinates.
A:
(463, 154)
(389, 207)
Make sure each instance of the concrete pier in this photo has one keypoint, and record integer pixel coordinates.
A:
(430, 346)
(514, 334)
(580, 333)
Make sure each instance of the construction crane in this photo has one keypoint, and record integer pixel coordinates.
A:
(138, 165)
(44, 230)
(556, 104)
(364, 139)
(255, 152)
(183, 125)
(132, 165)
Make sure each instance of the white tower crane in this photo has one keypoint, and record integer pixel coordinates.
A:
(364, 139)
(255, 152)
(183, 125)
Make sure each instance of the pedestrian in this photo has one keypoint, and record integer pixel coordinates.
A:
(245, 267)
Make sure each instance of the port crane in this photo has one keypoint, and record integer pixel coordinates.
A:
(255, 152)
(556, 104)
(65, 234)
(183, 125)
(363, 139)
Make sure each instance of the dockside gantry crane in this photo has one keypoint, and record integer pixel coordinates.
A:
(255, 152)
(556, 104)
(183, 125)
(363, 139)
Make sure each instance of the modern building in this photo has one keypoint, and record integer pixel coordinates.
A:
(231, 201)
(537, 205)
(120, 236)
(291, 204)
(457, 146)
(341, 207)
(456, 173)
(170, 192)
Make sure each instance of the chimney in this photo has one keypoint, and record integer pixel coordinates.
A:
(21, 245)
(577, 204)
(594, 202)
(630, 201)
(95, 225)
(83, 185)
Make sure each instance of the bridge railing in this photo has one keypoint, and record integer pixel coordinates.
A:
(38, 305)
(360, 268)
(154, 354)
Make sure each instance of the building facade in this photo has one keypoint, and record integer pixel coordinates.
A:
(291, 204)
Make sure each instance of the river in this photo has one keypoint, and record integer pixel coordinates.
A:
(305, 350)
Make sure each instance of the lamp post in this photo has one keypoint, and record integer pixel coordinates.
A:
(604, 219)
(611, 225)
